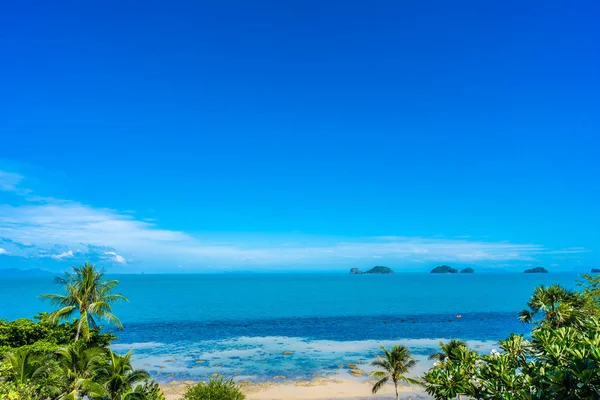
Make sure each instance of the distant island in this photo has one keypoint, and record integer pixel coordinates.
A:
(467, 270)
(595, 270)
(536, 270)
(378, 270)
(444, 269)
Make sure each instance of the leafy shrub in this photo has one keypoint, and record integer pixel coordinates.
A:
(215, 389)
(42, 336)
(12, 391)
(151, 391)
(561, 361)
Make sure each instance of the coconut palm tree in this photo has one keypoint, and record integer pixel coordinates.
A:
(558, 305)
(393, 365)
(87, 293)
(28, 369)
(78, 367)
(24, 366)
(449, 351)
(120, 378)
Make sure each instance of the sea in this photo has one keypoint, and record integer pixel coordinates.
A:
(261, 327)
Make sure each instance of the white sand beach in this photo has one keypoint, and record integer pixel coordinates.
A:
(317, 389)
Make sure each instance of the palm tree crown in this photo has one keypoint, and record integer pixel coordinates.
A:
(449, 351)
(119, 377)
(85, 292)
(25, 366)
(78, 366)
(558, 305)
(393, 366)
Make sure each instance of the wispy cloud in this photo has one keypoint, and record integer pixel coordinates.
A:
(9, 181)
(115, 257)
(40, 225)
(3, 251)
(65, 254)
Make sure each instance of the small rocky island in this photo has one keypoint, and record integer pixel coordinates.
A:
(595, 270)
(467, 270)
(444, 269)
(378, 270)
(536, 270)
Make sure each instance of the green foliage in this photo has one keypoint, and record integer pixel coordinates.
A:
(75, 371)
(12, 391)
(452, 372)
(568, 359)
(42, 359)
(215, 389)
(26, 370)
(590, 287)
(88, 295)
(449, 350)
(42, 335)
(25, 366)
(557, 305)
(562, 360)
(118, 376)
(393, 366)
(150, 390)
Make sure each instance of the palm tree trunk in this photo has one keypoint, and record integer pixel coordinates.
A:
(397, 395)
(78, 330)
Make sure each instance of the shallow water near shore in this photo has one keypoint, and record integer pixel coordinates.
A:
(191, 326)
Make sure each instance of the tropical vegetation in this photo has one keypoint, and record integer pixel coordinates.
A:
(560, 360)
(44, 358)
(393, 366)
(87, 294)
(216, 388)
(449, 351)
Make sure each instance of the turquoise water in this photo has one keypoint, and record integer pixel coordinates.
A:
(190, 326)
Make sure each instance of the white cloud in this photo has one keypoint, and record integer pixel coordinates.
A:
(47, 223)
(3, 251)
(115, 257)
(66, 254)
(9, 181)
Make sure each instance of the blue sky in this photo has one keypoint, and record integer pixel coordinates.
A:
(210, 136)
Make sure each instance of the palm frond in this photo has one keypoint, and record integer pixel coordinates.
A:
(63, 313)
(379, 384)
(86, 291)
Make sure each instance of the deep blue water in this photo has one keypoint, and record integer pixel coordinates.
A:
(189, 326)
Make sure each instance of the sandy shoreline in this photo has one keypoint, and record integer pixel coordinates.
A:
(317, 389)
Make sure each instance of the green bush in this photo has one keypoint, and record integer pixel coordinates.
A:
(151, 391)
(215, 389)
(12, 391)
(42, 336)
(561, 361)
